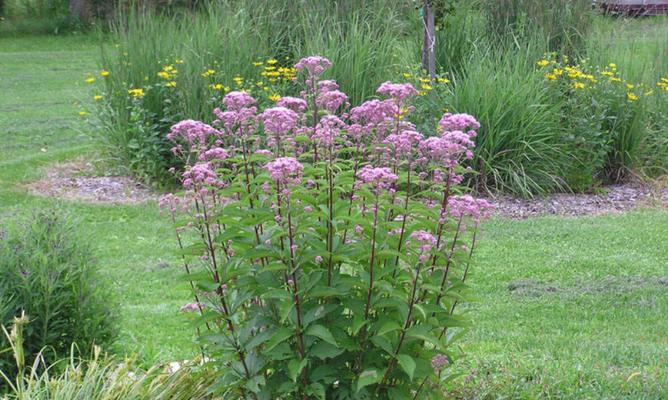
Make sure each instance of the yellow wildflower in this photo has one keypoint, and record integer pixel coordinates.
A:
(171, 84)
(607, 73)
(442, 80)
(90, 80)
(82, 113)
(425, 80)
(426, 87)
(407, 75)
(208, 73)
(258, 63)
(179, 61)
(269, 68)
(615, 79)
(164, 75)
(98, 97)
(631, 96)
(558, 71)
(551, 77)
(543, 63)
(274, 97)
(629, 86)
(104, 72)
(136, 93)
(578, 85)
(272, 61)
(612, 66)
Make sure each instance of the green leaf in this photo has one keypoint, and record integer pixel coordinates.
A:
(407, 364)
(278, 337)
(295, 368)
(324, 350)
(368, 377)
(389, 326)
(317, 390)
(321, 332)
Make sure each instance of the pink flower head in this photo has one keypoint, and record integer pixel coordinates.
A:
(327, 84)
(327, 130)
(331, 100)
(279, 121)
(399, 91)
(294, 103)
(200, 175)
(426, 241)
(239, 122)
(458, 122)
(285, 170)
(215, 153)
(314, 65)
(467, 206)
(377, 178)
(234, 101)
(190, 307)
(374, 113)
(448, 149)
(404, 142)
(439, 361)
(193, 132)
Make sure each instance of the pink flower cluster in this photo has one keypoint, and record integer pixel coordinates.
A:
(426, 241)
(293, 103)
(239, 119)
(195, 133)
(458, 122)
(331, 100)
(314, 65)
(279, 121)
(327, 130)
(377, 178)
(285, 170)
(234, 101)
(200, 175)
(438, 362)
(400, 91)
(448, 149)
(405, 142)
(467, 206)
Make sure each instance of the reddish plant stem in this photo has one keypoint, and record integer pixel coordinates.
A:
(407, 324)
(373, 259)
(448, 263)
(403, 222)
(352, 194)
(466, 270)
(330, 222)
(221, 294)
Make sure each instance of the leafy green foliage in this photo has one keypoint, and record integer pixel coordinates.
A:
(47, 272)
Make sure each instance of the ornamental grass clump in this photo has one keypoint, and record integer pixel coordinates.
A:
(327, 246)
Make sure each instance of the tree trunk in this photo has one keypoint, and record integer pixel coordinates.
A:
(81, 11)
(429, 41)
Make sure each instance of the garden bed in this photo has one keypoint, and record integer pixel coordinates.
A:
(608, 199)
(77, 181)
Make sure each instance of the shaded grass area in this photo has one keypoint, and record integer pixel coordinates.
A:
(601, 322)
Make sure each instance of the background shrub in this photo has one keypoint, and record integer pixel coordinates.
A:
(48, 272)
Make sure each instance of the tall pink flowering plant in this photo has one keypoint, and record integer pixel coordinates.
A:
(326, 246)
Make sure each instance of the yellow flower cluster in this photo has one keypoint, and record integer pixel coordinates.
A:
(136, 93)
(579, 78)
(274, 72)
(169, 74)
(663, 84)
(423, 82)
(209, 72)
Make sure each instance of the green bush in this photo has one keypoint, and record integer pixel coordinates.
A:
(47, 272)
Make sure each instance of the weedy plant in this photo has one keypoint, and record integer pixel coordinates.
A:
(47, 272)
(327, 246)
(97, 377)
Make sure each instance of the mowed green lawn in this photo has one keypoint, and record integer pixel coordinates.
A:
(587, 319)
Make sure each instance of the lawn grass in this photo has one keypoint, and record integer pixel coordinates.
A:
(592, 315)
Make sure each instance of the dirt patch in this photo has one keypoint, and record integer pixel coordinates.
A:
(76, 181)
(609, 199)
(608, 284)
